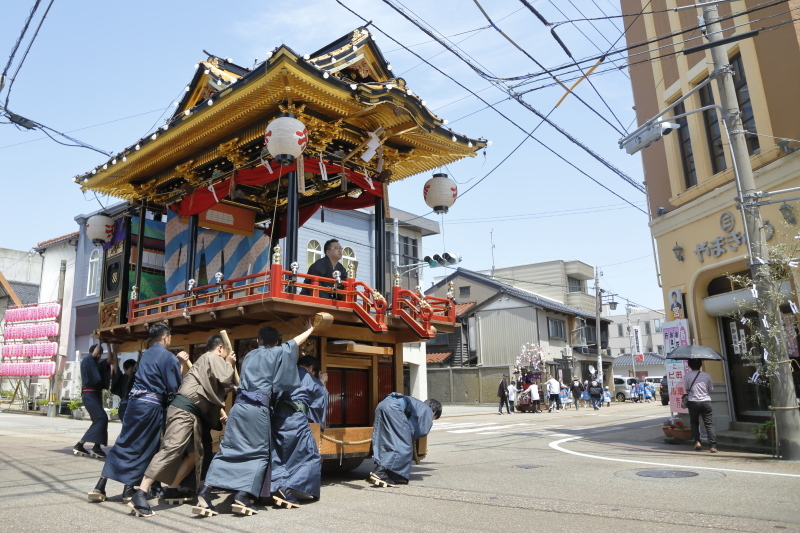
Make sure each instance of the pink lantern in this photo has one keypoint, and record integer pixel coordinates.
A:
(100, 229)
(440, 193)
(285, 138)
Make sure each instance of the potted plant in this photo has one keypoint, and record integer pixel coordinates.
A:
(41, 403)
(667, 427)
(765, 431)
(114, 414)
(75, 406)
(680, 431)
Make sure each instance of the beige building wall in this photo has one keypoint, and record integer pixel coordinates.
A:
(693, 214)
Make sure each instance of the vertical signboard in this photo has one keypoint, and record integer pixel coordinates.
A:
(676, 333)
(638, 354)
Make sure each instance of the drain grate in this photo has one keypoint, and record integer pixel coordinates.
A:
(526, 467)
(666, 473)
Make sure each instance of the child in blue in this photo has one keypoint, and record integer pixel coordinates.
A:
(607, 397)
(585, 398)
(648, 393)
(566, 401)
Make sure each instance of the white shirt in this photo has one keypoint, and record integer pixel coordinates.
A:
(699, 392)
(512, 393)
(553, 386)
(532, 391)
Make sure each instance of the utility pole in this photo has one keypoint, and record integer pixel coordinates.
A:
(784, 401)
(598, 294)
(55, 385)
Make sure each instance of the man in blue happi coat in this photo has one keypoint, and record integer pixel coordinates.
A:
(95, 377)
(399, 421)
(157, 381)
(296, 462)
(243, 461)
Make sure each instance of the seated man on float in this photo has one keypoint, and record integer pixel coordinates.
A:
(325, 267)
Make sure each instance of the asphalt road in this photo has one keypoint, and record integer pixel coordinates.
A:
(539, 472)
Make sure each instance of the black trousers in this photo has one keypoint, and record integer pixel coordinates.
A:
(696, 410)
(503, 401)
(98, 431)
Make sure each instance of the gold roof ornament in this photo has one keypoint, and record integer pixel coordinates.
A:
(358, 116)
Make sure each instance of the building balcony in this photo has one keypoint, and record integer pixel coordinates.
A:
(582, 301)
(578, 270)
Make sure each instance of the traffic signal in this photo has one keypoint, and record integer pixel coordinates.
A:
(444, 259)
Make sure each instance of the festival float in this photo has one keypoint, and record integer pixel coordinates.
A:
(248, 156)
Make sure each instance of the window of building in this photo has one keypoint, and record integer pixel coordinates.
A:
(408, 250)
(658, 323)
(685, 145)
(660, 349)
(622, 351)
(647, 328)
(349, 258)
(591, 335)
(575, 285)
(314, 252)
(745, 105)
(556, 328)
(93, 283)
(620, 331)
(649, 349)
(713, 134)
(463, 291)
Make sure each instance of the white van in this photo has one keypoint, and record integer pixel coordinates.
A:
(622, 387)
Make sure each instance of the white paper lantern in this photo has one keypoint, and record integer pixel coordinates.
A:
(286, 138)
(440, 193)
(100, 229)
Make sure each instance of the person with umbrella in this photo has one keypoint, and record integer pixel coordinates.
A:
(698, 385)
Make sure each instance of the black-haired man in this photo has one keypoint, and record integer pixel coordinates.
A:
(121, 385)
(198, 404)
(243, 461)
(95, 376)
(296, 462)
(157, 379)
(326, 266)
(399, 421)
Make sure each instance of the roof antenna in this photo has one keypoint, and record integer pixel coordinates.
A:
(491, 239)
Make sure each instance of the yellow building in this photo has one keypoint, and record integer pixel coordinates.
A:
(691, 190)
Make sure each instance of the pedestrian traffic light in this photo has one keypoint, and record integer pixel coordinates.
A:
(444, 259)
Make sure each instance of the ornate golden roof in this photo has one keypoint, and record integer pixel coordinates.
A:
(341, 93)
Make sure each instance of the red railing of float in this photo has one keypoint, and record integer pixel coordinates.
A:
(419, 312)
(367, 303)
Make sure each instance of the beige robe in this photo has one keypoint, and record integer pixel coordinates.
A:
(204, 386)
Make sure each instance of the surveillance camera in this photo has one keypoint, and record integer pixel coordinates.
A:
(649, 136)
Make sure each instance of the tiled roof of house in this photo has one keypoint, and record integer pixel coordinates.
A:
(522, 294)
(28, 293)
(437, 357)
(650, 358)
(49, 242)
(463, 308)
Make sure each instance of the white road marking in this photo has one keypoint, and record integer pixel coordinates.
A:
(556, 445)
(492, 428)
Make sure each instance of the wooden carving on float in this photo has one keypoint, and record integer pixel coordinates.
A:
(109, 315)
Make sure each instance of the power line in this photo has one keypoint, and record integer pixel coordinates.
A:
(19, 41)
(28, 49)
(519, 99)
(592, 59)
(518, 47)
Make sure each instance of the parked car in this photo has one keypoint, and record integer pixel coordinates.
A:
(664, 389)
(622, 387)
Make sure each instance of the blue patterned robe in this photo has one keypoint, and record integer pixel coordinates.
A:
(243, 461)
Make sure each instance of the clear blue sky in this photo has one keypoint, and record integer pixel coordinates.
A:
(107, 73)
